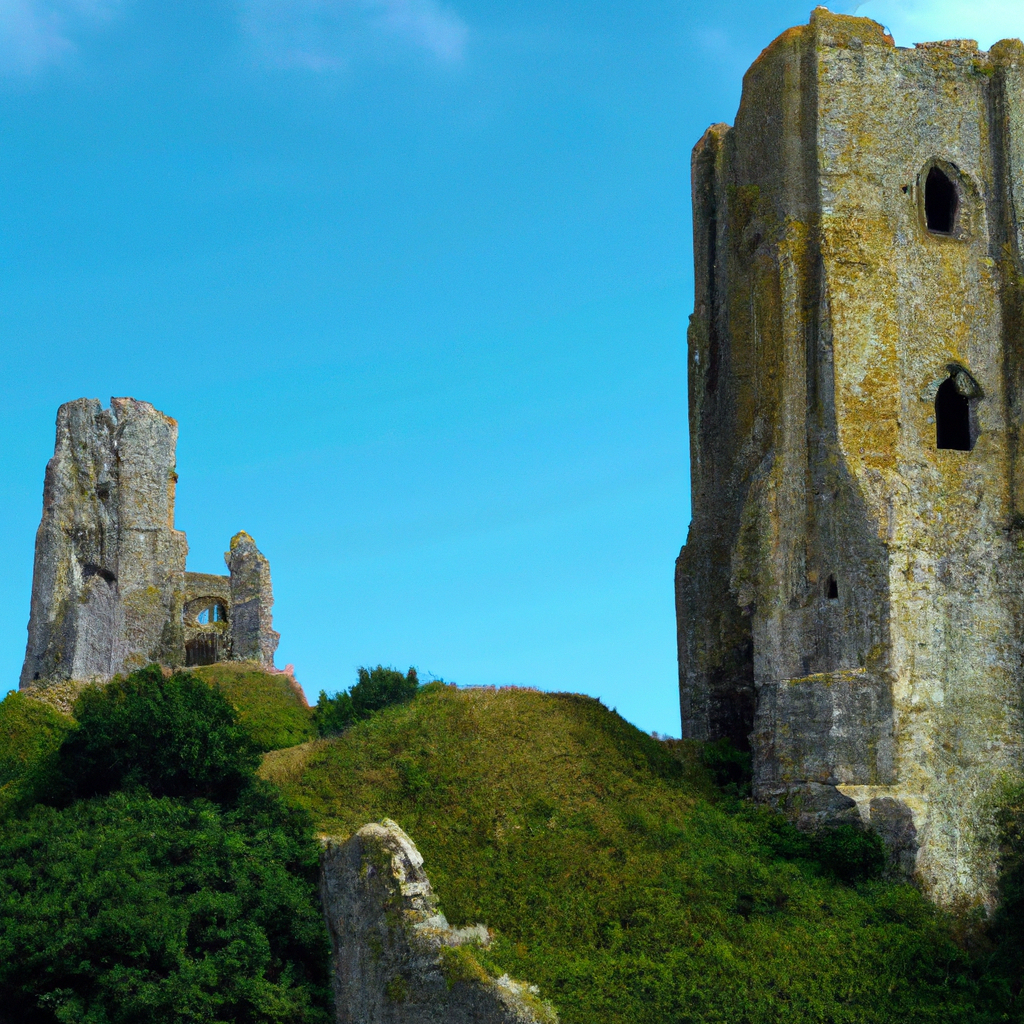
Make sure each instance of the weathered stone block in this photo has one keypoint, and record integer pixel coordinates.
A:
(395, 959)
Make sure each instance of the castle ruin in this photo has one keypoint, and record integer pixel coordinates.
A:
(110, 592)
(849, 597)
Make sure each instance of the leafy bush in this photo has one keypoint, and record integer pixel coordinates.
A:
(129, 908)
(181, 888)
(174, 736)
(269, 706)
(333, 715)
(730, 768)
(844, 852)
(375, 690)
(1007, 960)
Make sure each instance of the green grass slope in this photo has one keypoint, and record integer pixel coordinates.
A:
(269, 705)
(30, 733)
(617, 879)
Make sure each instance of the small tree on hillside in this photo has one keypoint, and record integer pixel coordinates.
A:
(375, 689)
(175, 737)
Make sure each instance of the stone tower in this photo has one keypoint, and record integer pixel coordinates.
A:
(109, 591)
(849, 598)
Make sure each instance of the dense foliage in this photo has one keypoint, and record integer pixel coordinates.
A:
(160, 880)
(374, 690)
(174, 736)
(130, 908)
(625, 884)
(1008, 955)
(270, 707)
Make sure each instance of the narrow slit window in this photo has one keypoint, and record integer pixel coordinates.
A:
(832, 589)
(952, 418)
(940, 202)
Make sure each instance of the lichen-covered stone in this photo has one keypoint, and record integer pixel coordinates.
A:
(109, 568)
(395, 959)
(849, 596)
(252, 634)
(109, 590)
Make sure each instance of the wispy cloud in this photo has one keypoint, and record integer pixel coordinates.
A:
(915, 21)
(326, 34)
(37, 33)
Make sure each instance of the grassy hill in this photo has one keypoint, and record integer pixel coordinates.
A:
(617, 875)
(619, 880)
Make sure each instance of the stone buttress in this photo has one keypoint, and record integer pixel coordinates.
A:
(849, 596)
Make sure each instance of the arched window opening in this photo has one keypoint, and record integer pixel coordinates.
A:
(952, 417)
(213, 613)
(92, 569)
(205, 610)
(832, 589)
(940, 202)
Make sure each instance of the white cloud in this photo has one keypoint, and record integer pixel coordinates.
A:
(327, 34)
(916, 21)
(35, 33)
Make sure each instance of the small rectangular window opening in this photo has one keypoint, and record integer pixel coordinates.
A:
(940, 202)
(831, 589)
(952, 418)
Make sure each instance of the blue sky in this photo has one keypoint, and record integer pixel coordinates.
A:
(413, 277)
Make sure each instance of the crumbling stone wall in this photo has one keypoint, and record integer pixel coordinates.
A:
(252, 634)
(109, 590)
(395, 959)
(849, 596)
(109, 566)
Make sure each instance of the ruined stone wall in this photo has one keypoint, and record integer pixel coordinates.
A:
(252, 634)
(209, 641)
(847, 587)
(109, 590)
(109, 566)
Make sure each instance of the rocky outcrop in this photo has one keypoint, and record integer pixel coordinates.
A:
(395, 958)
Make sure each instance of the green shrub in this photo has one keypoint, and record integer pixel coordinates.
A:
(1007, 960)
(174, 736)
(374, 690)
(129, 908)
(177, 887)
(844, 852)
(333, 715)
(730, 768)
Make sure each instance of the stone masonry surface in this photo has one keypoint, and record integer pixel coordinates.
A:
(395, 959)
(849, 595)
(109, 590)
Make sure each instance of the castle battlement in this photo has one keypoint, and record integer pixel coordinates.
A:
(850, 594)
